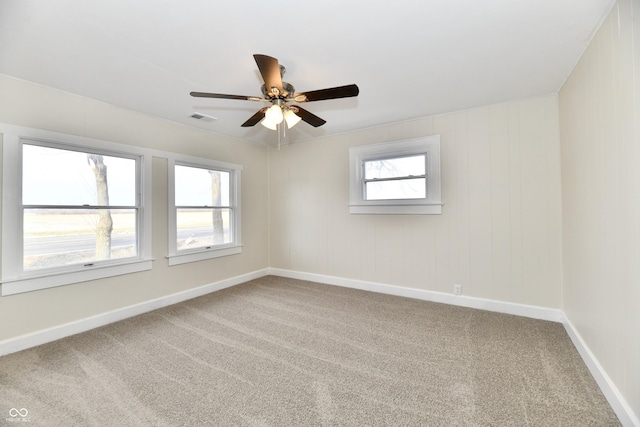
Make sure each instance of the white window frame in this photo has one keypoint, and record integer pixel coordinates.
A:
(358, 155)
(176, 257)
(14, 279)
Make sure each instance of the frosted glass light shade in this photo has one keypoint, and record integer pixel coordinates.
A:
(291, 118)
(269, 124)
(274, 114)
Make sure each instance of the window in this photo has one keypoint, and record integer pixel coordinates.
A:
(78, 207)
(73, 210)
(400, 177)
(204, 217)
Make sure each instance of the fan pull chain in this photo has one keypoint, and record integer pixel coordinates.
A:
(284, 130)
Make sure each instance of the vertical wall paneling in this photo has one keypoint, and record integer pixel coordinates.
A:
(537, 151)
(500, 200)
(479, 195)
(461, 203)
(444, 247)
(515, 202)
(498, 235)
(600, 128)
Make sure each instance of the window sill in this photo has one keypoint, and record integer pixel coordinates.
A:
(203, 254)
(431, 209)
(34, 282)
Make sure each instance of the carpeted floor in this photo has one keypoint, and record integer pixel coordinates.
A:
(283, 352)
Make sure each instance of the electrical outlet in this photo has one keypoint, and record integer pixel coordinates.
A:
(457, 289)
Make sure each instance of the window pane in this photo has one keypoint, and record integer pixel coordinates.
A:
(52, 176)
(56, 238)
(201, 187)
(198, 228)
(394, 168)
(396, 190)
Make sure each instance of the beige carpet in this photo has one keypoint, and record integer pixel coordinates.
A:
(283, 352)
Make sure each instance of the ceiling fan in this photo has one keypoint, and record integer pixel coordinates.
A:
(280, 94)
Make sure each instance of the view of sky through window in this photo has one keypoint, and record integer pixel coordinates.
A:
(193, 186)
(395, 178)
(53, 176)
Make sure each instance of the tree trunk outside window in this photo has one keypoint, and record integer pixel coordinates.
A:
(216, 200)
(105, 222)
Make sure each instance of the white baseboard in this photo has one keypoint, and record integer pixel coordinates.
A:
(610, 391)
(57, 332)
(612, 394)
(531, 311)
(618, 403)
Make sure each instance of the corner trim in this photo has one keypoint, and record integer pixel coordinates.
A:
(618, 403)
(44, 336)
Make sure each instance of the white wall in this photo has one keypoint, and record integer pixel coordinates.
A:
(599, 126)
(499, 235)
(34, 106)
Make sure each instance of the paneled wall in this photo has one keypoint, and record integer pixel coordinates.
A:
(499, 235)
(29, 105)
(601, 198)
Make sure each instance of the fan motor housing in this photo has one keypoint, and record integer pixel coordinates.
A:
(287, 89)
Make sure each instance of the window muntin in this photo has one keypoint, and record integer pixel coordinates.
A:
(396, 178)
(78, 207)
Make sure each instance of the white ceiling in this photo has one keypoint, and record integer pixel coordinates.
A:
(410, 58)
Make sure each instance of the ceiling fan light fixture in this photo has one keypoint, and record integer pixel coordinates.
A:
(277, 93)
(291, 118)
(269, 124)
(274, 114)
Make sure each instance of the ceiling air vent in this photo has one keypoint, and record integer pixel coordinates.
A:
(203, 117)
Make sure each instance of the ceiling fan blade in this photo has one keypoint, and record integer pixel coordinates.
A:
(331, 93)
(253, 120)
(224, 96)
(270, 70)
(308, 117)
